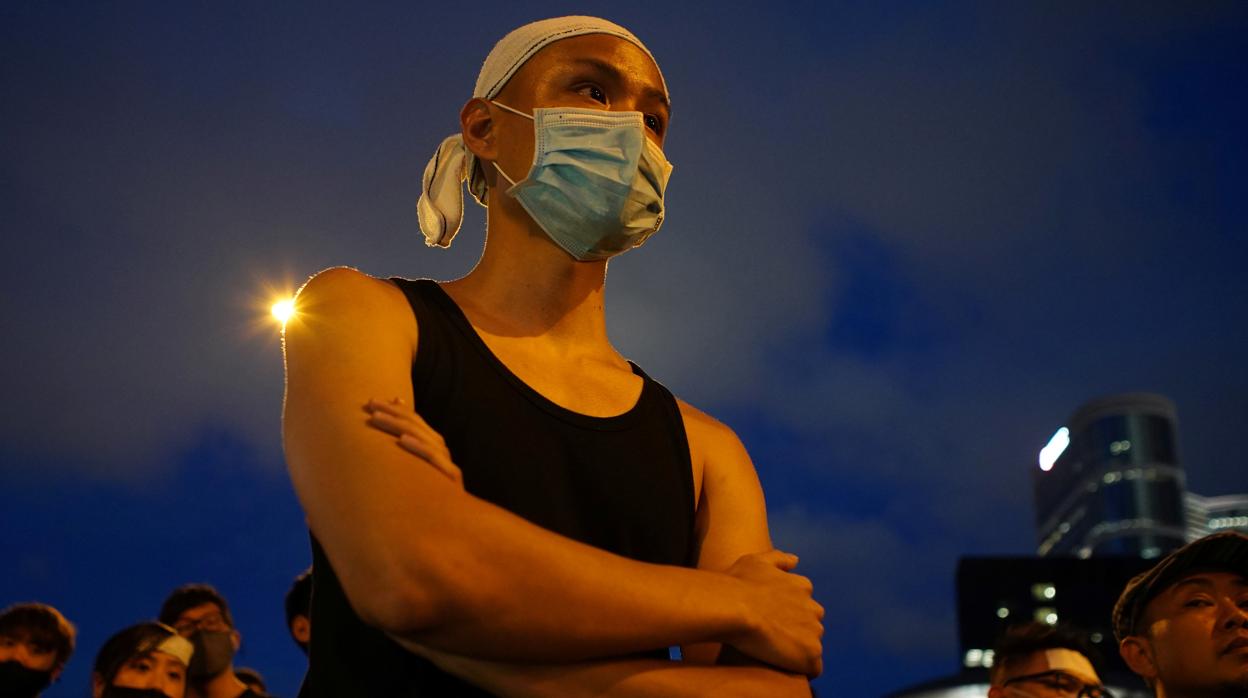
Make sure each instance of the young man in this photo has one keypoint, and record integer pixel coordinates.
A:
(1037, 659)
(484, 476)
(35, 643)
(1183, 625)
(200, 614)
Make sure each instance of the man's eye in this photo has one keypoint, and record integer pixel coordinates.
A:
(1197, 603)
(593, 92)
(654, 123)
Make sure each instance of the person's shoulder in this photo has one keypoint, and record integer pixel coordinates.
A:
(346, 297)
(337, 284)
(705, 431)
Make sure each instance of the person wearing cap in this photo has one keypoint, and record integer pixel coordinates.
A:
(484, 476)
(147, 660)
(35, 643)
(1183, 625)
(1038, 659)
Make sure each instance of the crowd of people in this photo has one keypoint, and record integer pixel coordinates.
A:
(1182, 626)
(187, 651)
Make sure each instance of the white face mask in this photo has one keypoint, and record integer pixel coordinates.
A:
(596, 185)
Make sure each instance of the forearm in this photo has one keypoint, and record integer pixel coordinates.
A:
(632, 678)
(507, 589)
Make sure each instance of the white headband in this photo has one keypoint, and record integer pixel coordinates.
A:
(441, 205)
(177, 646)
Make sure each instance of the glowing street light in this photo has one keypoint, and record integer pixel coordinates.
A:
(283, 310)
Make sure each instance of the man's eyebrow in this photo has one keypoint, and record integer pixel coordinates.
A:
(614, 73)
(1194, 581)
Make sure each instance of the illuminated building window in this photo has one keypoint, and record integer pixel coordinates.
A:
(1044, 591)
(1046, 615)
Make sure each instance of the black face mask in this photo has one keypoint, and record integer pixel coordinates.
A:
(19, 681)
(119, 692)
(214, 650)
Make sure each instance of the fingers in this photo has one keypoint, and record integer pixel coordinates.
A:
(396, 418)
(780, 559)
(435, 457)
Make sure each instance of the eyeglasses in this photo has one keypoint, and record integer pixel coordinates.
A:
(213, 622)
(1059, 684)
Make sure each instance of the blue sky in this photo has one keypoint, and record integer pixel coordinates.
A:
(904, 242)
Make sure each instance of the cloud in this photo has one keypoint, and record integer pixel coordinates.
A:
(875, 587)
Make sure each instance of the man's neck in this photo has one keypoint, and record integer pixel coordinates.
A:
(223, 685)
(525, 285)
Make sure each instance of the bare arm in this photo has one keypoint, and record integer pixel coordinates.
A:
(632, 678)
(421, 559)
(732, 531)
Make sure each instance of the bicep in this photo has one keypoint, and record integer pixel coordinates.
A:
(350, 341)
(732, 513)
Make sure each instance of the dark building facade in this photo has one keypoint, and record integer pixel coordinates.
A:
(1110, 482)
(997, 592)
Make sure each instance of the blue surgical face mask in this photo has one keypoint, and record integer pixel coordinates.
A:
(596, 185)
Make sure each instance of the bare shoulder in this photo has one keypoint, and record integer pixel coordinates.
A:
(708, 434)
(347, 286)
(347, 299)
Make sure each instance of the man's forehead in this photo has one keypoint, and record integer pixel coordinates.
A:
(1208, 579)
(595, 50)
(196, 612)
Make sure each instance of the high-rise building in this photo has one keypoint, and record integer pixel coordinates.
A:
(1110, 482)
(1207, 515)
(1110, 489)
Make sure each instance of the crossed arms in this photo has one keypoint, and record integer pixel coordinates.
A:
(453, 577)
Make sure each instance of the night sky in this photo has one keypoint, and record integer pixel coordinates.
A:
(904, 242)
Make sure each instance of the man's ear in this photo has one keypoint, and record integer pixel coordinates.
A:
(1138, 654)
(97, 684)
(301, 628)
(236, 639)
(477, 124)
(996, 692)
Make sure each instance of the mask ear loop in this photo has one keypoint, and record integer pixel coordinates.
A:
(517, 112)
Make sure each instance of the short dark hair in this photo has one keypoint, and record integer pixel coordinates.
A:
(252, 678)
(189, 596)
(299, 597)
(40, 625)
(1023, 640)
(134, 641)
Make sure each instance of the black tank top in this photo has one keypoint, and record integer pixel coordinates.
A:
(622, 483)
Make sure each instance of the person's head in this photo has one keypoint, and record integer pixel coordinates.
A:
(251, 678)
(35, 643)
(578, 63)
(1044, 661)
(298, 610)
(148, 660)
(199, 613)
(1183, 625)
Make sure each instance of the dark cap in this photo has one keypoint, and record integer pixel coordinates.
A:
(1227, 550)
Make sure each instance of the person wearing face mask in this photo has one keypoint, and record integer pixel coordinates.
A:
(499, 502)
(201, 615)
(35, 643)
(147, 660)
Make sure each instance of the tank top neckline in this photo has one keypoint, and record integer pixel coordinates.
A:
(460, 320)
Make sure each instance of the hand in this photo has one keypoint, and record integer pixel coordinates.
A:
(414, 435)
(787, 623)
